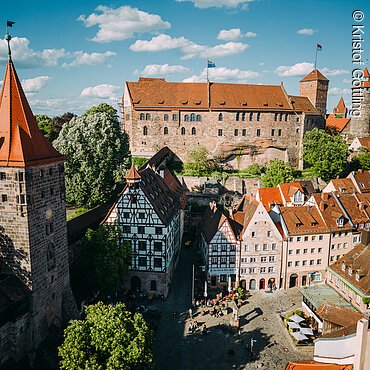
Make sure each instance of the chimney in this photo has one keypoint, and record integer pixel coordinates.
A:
(365, 236)
(322, 206)
(161, 173)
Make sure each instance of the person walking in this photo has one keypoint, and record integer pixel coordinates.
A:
(190, 313)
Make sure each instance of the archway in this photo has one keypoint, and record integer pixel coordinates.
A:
(262, 283)
(252, 284)
(293, 280)
(271, 283)
(243, 284)
(135, 284)
(304, 280)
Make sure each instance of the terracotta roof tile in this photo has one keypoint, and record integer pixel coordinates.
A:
(132, 173)
(288, 189)
(365, 142)
(269, 197)
(338, 315)
(302, 104)
(362, 179)
(159, 94)
(314, 75)
(339, 124)
(311, 365)
(366, 73)
(341, 107)
(343, 185)
(21, 142)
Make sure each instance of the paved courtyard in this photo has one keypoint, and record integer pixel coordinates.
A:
(223, 348)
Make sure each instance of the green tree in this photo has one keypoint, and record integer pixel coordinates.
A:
(59, 121)
(101, 108)
(103, 261)
(198, 164)
(326, 153)
(45, 124)
(110, 337)
(278, 172)
(139, 161)
(98, 156)
(362, 161)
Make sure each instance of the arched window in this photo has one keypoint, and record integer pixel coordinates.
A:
(148, 117)
(281, 117)
(220, 117)
(243, 116)
(258, 116)
(145, 130)
(165, 117)
(182, 130)
(192, 117)
(186, 118)
(276, 117)
(142, 116)
(193, 131)
(286, 117)
(237, 116)
(165, 131)
(251, 116)
(199, 118)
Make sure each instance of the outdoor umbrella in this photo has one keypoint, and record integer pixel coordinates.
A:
(294, 325)
(299, 336)
(296, 318)
(306, 331)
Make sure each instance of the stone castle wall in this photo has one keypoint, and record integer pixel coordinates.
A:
(360, 126)
(317, 92)
(241, 142)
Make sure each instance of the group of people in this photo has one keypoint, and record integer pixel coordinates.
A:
(194, 326)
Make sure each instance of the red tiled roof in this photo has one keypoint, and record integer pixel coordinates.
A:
(339, 124)
(366, 73)
(344, 185)
(341, 107)
(21, 142)
(159, 94)
(288, 189)
(362, 179)
(338, 315)
(365, 142)
(310, 365)
(314, 75)
(132, 173)
(302, 104)
(269, 197)
(245, 211)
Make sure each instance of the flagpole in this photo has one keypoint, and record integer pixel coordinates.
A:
(207, 69)
(315, 57)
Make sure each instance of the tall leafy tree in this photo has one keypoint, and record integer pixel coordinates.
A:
(199, 164)
(103, 261)
(98, 155)
(326, 153)
(59, 121)
(362, 161)
(278, 172)
(110, 337)
(45, 124)
(101, 108)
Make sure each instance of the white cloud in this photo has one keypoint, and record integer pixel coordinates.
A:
(250, 34)
(188, 48)
(82, 58)
(230, 35)
(218, 3)
(33, 85)
(333, 72)
(306, 31)
(122, 23)
(101, 91)
(161, 70)
(347, 81)
(27, 57)
(224, 74)
(298, 69)
(339, 91)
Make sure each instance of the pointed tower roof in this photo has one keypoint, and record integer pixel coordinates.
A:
(132, 175)
(314, 75)
(366, 73)
(341, 107)
(21, 142)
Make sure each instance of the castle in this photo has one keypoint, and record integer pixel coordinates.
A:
(241, 123)
(35, 292)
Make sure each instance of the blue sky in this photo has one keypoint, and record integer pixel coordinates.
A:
(75, 54)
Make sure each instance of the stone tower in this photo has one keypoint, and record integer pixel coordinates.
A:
(340, 111)
(360, 112)
(33, 229)
(315, 87)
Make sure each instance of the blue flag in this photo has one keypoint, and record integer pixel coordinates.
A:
(211, 64)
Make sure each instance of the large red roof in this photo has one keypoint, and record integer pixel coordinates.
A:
(315, 75)
(21, 142)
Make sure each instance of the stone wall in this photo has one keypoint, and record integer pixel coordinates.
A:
(360, 126)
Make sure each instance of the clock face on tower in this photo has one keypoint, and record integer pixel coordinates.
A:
(49, 214)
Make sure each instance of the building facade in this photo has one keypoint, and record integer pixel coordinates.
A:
(148, 213)
(33, 229)
(242, 123)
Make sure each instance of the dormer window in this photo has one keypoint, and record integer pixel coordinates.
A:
(350, 272)
(340, 221)
(357, 277)
(343, 267)
(362, 184)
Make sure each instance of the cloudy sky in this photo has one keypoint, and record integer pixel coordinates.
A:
(71, 55)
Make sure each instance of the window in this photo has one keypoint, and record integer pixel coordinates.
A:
(268, 234)
(316, 276)
(126, 229)
(142, 116)
(223, 278)
(141, 215)
(165, 130)
(142, 245)
(42, 194)
(343, 267)
(358, 299)
(258, 132)
(320, 237)
(290, 264)
(243, 116)
(223, 248)
(126, 214)
(158, 231)
(219, 132)
(265, 247)
(4, 197)
(313, 250)
(314, 237)
(305, 251)
(244, 132)
(182, 130)
(306, 237)
(258, 116)
(237, 116)
(148, 117)
(350, 271)
(345, 245)
(271, 269)
(153, 285)
(193, 131)
(251, 116)
(263, 259)
(141, 229)
(263, 270)
(279, 132)
(319, 261)
(158, 246)
(175, 117)
(220, 117)
(296, 264)
(41, 173)
(253, 260)
(319, 250)
(271, 258)
(298, 251)
(281, 117)
(304, 263)
(290, 251)
(165, 118)
(186, 118)
(214, 260)
(142, 261)
(223, 259)
(286, 117)
(357, 277)
(199, 118)
(339, 246)
(272, 132)
(332, 246)
(274, 246)
(246, 248)
(232, 259)
(158, 262)
(145, 130)
(192, 117)
(214, 248)
(276, 116)
(312, 262)
(291, 239)
(256, 247)
(236, 132)
(51, 192)
(2, 176)
(299, 239)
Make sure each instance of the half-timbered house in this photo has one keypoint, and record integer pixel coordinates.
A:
(220, 247)
(148, 212)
